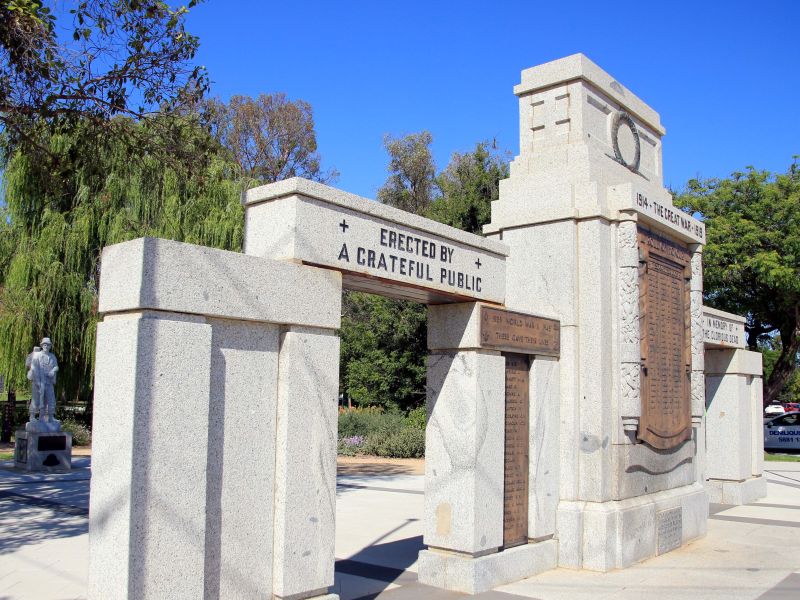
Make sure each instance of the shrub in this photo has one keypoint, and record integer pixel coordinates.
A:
(364, 421)
(81, 436)
(350, 446)
(408, 442)
(387, 434)
(416, 417)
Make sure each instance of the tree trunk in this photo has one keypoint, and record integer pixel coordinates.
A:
(785, 365)
(9, 414)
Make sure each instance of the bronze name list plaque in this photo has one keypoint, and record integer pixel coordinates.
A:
(517, 332)
(665, 323)
(515, 488)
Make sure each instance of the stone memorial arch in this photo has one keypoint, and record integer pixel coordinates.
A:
(216, 403)
(566, 399)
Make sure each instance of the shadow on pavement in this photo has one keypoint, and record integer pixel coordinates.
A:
(36, 507)
(379, 467)
(29, 520)
(397, 555)
(381, 564)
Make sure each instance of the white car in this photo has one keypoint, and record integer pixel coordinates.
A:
(773, 410)
(783, 433)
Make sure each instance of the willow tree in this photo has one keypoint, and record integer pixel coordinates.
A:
(56, 222)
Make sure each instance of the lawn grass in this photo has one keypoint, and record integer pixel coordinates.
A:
(6, 455)
(782, 457)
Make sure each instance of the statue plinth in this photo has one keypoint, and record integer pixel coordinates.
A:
(43, 426)
(49, 451)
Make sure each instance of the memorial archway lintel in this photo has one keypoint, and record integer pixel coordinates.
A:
(378, 249)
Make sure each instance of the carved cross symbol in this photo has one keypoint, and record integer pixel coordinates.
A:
(344, 226)
(478, 263)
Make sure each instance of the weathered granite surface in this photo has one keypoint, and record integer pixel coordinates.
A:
(378, 248)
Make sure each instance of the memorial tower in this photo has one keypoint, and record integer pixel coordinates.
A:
(596, 242)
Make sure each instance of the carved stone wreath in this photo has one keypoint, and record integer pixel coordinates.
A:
(620, 118)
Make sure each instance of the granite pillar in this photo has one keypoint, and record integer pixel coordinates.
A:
(734, 426)
(188, 481)
(464, 461)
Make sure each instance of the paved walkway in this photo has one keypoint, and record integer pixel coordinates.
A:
(750, 552)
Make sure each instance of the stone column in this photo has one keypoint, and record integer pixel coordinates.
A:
(597, 301)
(630, 406)
(241, 448)
(543, 467)
(305, 483)
(697, 376)
(463, 465)
(734, 426)
(148, 494)
(698, 347)
(192, 429)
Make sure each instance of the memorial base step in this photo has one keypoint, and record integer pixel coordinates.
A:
(723, 491)
(601, 536)
(471, 575)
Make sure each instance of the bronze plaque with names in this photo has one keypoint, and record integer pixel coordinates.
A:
(511, 331)
(665, 334)
(515, 487)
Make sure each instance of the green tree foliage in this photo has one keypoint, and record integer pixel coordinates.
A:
(383, 348)
(770, 351)
(102, 189)
(56, 222)
(270, 137)
(384, 342)
(752, 258)
(119, 57)
(467, 187)
(411, 184)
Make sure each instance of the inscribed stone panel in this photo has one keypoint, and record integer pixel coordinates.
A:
(721, 329)
(669, 524)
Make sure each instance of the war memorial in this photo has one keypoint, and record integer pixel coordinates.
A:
(583, 406)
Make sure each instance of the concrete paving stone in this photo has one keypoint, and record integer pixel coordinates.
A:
(400, 482)
(785, 590)
(380, 527)
(419, 590)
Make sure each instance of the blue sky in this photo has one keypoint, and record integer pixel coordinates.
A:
(722, 75)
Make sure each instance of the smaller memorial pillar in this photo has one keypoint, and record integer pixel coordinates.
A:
(478, 491)
(734, 431)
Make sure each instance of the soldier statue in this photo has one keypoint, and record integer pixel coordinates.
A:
(42, 370)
